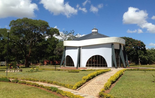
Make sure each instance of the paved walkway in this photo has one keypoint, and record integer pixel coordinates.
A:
(94, 86)
(91, 89)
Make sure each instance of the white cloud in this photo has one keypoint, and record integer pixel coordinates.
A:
(136, 16)
(55, 26)
(17, 8)
(83, 9)
(84, 3)
(93, 9)
(135, 31)
(139, 31)
(153, 17)
(77, 5)
(79, 35)
(151, 44)
(100, 5)
(149, 26)
(129, 31)
(59, 7)
(63, 36)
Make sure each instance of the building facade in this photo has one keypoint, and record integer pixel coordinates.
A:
(95, 50)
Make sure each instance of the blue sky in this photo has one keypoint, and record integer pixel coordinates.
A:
(114, 18)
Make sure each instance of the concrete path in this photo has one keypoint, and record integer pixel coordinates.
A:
(94, 86)
(89, 90)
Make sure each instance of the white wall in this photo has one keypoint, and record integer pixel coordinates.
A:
(72, 52)
(102, 50)
(89, 51)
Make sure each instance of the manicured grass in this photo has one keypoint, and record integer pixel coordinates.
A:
(11, 90)
(59, 76)
(135, 84)
(149, 66)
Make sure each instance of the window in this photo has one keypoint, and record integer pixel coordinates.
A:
(69, 61)
(96, 61)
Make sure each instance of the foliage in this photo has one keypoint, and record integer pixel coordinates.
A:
(110, 81)
(34, 70)
(73, 71)
(54, 89)
(105, 95)
(113, 79)
(135, 49)
(58, 51)
(12, 90)
(68, 94)
(88, 77)
(15, 81)
(4, 79)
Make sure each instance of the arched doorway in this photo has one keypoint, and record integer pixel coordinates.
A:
(69, 61)
(96, 61)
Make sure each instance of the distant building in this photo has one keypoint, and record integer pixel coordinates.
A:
(95, 50)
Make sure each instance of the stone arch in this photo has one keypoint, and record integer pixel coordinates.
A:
(69, 61)
(96, 61)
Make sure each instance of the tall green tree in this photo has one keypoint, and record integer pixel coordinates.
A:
(26, 33)
(135, 49)
(58, 51)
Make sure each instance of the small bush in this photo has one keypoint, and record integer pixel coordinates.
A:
(15, 81)
(110, 81)
(22, 82)
(4, 79)
(54, 89)
(89, 77)
(73, 71)
(104, 95)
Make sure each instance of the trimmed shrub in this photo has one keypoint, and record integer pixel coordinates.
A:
(68, 94)
(53, 89)
(22, 82)
(15, 81)
(89, 77)
(113, 79)
(108, 84)
(105, 95)
(4, 79)
(140, 69)
(73, 71)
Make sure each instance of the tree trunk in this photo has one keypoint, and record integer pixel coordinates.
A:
(27, 64)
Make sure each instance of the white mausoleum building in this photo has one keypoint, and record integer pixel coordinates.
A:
(95, 50)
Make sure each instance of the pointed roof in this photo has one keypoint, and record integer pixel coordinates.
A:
(92, 35)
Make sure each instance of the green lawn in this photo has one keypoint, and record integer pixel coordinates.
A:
(135, 84)
(149, 66)
(11, 90)
(59, 76)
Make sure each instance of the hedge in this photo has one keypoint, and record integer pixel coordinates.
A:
(51, 82)
(53, 89)
(137, 69)
(4, 79)
(73, 71)
(89, 77)
(108, 84)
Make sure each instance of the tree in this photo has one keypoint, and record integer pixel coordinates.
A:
(26, 33)
(135, 49)
(150, 56)
(58, 51)
(3, 44)
(67, 35)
